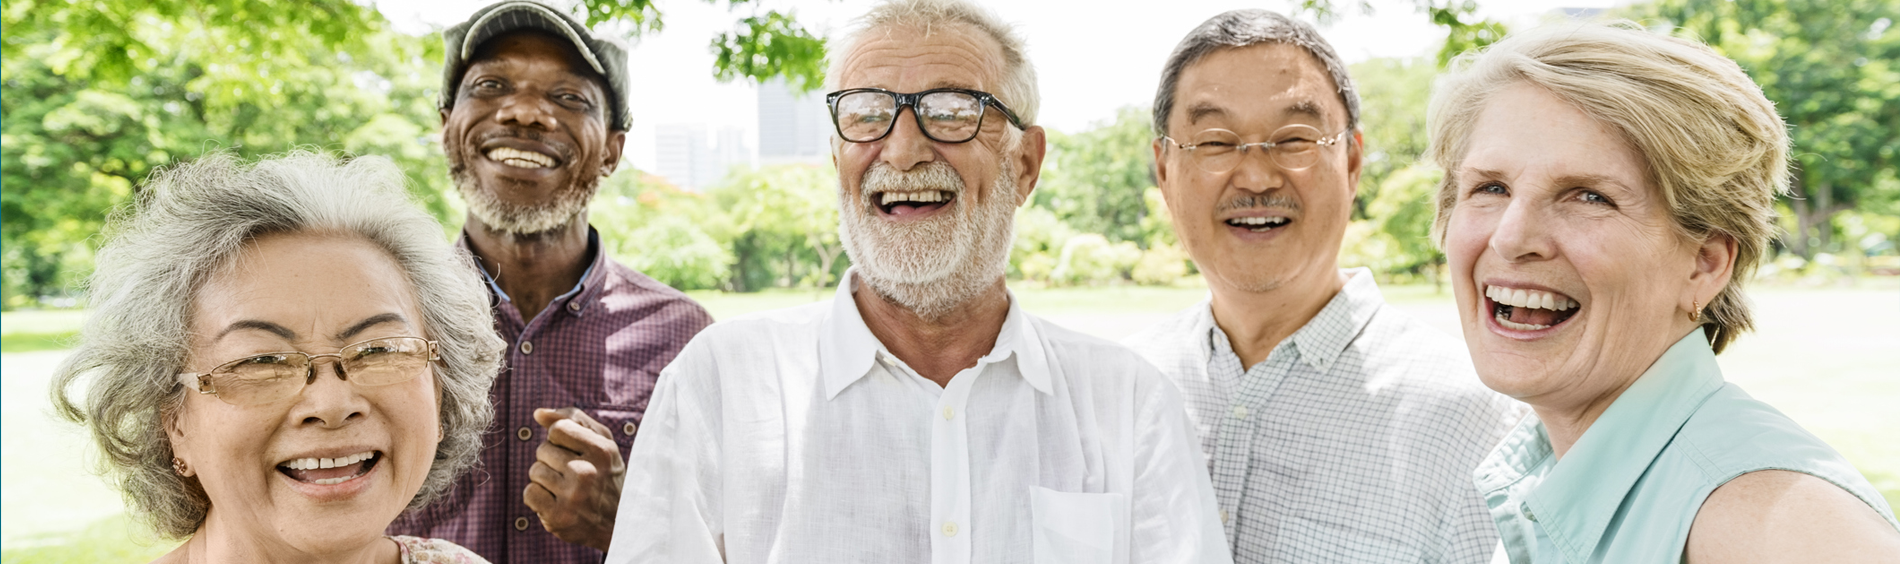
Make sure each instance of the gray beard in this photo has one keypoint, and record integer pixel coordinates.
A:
(563, 208)
(930, 267)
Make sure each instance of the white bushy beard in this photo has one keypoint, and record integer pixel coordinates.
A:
(932, 266)
(559, 209)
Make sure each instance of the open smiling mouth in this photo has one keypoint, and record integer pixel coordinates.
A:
(1529, 310)
(901, 204)
(520, 159)
(1259, 224)
(330, 471)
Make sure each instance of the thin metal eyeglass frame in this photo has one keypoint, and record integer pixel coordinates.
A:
(201, 381)
(1265, 147)
(984, 99)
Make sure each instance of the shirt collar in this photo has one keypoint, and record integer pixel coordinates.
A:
(846, 347)
(586, 291)
(1579, 496)
(1324, 337)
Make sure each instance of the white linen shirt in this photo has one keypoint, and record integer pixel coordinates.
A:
(1354, 440)
(794, 436)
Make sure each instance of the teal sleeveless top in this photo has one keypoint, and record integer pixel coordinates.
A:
(1631, 486)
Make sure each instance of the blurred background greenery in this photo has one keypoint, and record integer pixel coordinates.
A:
(99, 93)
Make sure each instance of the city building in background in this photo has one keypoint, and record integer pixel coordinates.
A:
(793, 127)
(695, 156)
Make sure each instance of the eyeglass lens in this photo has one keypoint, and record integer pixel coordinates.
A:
(1294, 147)
(267, 378)
(949, 117)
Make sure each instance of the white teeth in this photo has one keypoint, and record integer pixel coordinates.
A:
(1257, 221)
(519, 158)
(921, 196)
(1529, 298)
(1508, 324)
(318, 463)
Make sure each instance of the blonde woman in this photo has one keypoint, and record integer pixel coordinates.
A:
(1607, 191)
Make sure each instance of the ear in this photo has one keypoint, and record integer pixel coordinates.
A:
(1355, 162)
(616, 141)
(1161, 164)
(1714, 265)
(175, 434)
(445, 115)
(1029, 157)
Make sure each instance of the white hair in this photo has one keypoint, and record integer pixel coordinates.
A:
(191, 222)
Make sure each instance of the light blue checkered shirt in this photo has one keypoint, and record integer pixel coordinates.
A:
(1354, 441)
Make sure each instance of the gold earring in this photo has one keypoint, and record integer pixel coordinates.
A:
(1695, 311)
(178, 466)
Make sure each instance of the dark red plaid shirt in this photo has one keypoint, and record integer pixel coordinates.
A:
(599, 347)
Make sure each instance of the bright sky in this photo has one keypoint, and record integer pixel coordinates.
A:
(1092, 57)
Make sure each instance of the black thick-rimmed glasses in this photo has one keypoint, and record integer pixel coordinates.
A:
(945, 115)
(269, 377)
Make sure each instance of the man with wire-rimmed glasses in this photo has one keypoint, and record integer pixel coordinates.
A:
(922, 415)
(1336, 429)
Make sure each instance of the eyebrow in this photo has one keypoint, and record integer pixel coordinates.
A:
(372, 321)
(1308, 108)
(1204, 110)
(289, 335)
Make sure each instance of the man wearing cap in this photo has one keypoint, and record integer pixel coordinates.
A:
(534, 114)
(921, 415)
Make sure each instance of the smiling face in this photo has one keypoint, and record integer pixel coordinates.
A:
(527, 138)
(1259, 226)
(314, 294)
(1570, 276)
(928, 224)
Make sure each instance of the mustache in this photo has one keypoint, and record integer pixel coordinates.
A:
(561, 149)
(934, 175)
(1273, 200)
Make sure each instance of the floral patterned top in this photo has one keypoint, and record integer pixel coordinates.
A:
(417, 550)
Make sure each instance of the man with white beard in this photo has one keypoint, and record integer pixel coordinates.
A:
(921, 416)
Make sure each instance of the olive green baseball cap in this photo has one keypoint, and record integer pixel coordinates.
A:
(606, 55)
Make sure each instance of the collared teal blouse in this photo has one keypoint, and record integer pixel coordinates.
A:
(1630, 487)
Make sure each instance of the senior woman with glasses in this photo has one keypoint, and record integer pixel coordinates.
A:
(1607, 191)
(282, 357)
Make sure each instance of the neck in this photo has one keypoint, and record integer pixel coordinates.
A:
(217, 541)
(937, 348)
(1256, 322)
(535, 268)
(1566, 422)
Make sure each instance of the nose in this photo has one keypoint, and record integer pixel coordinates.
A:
(1256, 171)
(526, 110)
(329, 403)
(906, 146)
(1522, 233)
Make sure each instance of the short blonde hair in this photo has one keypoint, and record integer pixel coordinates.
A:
(1017, 88)
(1713, 143)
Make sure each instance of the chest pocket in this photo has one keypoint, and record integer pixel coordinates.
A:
(1079, 528)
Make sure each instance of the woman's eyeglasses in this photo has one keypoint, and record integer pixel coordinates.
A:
(266, 378)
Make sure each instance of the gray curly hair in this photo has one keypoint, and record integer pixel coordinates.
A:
(190, 222)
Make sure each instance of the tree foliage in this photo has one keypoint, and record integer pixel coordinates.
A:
(1830, 68)
(1093, 180)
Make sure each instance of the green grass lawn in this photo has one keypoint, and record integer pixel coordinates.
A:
(1826, 356)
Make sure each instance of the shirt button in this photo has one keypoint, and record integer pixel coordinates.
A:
(886, 359)
(527, 347)
(629, 428)
(524, 433)
(949, 413)
(1223, 516)
(573, 306)
(521, 523)
(949, 528)
(1526, 508)
(1240, 412)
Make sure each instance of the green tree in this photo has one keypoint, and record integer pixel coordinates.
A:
(1093, 180)
(1393, 93)
(1830, 68)
(783, 224)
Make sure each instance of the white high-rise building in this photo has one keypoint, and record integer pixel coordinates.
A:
(793, 128)
(694, 157)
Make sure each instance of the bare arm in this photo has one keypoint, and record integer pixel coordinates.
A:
(1782, 516)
